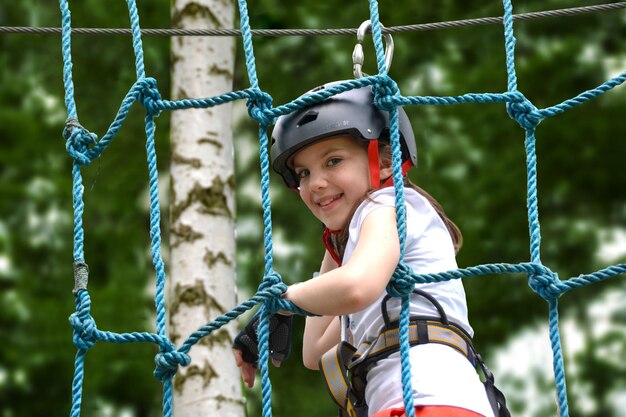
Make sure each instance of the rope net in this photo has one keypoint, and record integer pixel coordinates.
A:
(84, 147)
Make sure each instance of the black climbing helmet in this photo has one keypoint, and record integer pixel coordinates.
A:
(351, 113)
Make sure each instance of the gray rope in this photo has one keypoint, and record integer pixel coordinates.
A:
(318, 32)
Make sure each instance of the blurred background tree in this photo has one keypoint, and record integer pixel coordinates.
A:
(471, 158)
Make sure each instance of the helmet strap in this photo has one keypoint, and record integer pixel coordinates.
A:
(374, 163)
(406, 166)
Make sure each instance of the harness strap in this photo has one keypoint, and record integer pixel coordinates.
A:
(326, 239)
(421, 331)
(333, 365)
(345, 367)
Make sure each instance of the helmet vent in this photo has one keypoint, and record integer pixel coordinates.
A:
(307, 118)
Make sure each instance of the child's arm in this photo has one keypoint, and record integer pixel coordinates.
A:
(357, 284)
(320, 333)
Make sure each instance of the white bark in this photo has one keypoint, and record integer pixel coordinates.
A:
(202, 212)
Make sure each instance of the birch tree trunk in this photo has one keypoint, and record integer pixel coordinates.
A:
(202, 212)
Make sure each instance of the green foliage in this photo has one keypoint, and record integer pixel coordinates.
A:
(471, 158)
(37, 357)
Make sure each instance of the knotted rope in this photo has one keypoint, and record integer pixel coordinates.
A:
(84, 147)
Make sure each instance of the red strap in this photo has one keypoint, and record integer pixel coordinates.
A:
(372, 155)
(429, 411)
(329, 245)
(406, 166)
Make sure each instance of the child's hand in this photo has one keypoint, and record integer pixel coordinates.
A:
(248, 370)
(245, 345)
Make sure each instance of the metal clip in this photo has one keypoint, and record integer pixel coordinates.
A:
(357, 55)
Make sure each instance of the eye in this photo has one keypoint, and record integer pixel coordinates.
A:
(303, 173)
(334, 161)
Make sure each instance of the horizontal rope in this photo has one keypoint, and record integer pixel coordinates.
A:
(317, 32)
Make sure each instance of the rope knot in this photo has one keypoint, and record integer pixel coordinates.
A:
(384, 91)
(78, 141)
(272, 288)
(401, 282)
(259, 104)
(273, 284)
(545, 283)
(168, 360)
(84, 330)
(149, 95)
(524, 112)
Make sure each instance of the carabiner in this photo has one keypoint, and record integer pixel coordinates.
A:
(357, 55)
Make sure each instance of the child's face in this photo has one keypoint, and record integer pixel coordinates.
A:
(334, 178)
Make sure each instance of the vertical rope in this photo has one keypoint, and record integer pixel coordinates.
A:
(70, 104)
(377, 36)
(265, 198)
(557, 359)
(531, 200)
(66, 49)
(263, 329)
(78, 206)
(533, 211)
(77, 382)
(246, 32)
(77, 200)
(137, 44)
(263, 138)
(263, 332)
(405, 359)
(155, 211)
(155, 225)
(82, 303)
(509, 43)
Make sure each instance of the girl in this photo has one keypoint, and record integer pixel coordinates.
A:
(337, 155)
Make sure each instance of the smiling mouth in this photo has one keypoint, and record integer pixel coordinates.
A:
(329, 201)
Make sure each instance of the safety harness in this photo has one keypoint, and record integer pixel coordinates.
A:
(345, 367)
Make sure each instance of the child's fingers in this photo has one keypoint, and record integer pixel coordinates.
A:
(249, 373)
(238, 357)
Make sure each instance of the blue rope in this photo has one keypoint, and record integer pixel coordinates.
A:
(84, 147)
(387, 89)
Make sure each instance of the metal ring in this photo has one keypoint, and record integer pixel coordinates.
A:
(357, 55)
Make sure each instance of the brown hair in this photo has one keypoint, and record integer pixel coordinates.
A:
(339, 239)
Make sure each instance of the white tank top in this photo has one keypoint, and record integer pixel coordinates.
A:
(440, 375)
